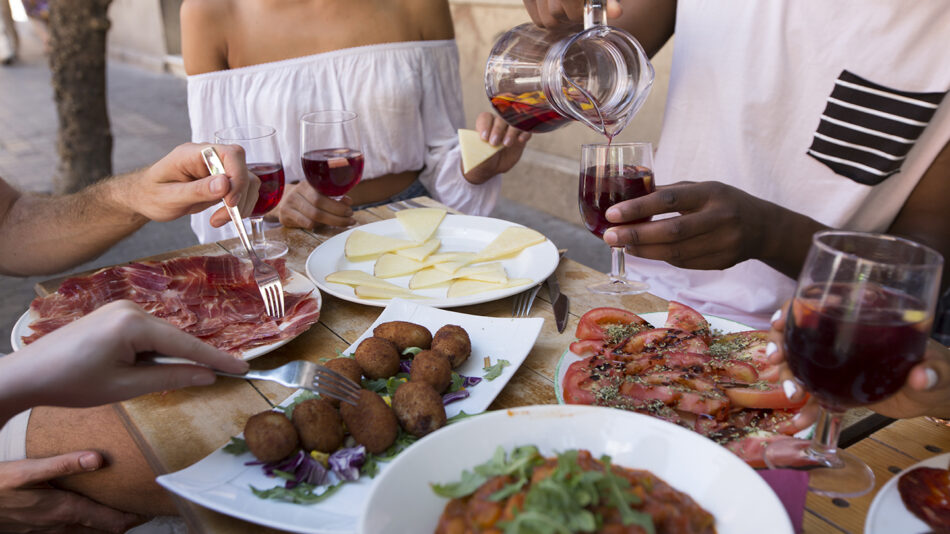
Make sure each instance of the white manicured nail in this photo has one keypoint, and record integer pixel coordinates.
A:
(776, 316)
(932, 377)
(790, 388)
(770, 349)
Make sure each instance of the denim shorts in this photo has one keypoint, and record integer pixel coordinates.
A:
(415, 189)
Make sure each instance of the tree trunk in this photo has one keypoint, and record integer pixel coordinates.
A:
(78, 64)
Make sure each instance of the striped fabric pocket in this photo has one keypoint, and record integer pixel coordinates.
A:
(867, 129)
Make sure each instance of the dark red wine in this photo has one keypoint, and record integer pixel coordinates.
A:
(528, 113)
(601, 188)
(272, 186)
(853, 357)
(333, 171)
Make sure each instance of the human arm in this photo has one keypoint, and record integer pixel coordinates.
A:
(67, 230)
(92, 361)
(650, 21)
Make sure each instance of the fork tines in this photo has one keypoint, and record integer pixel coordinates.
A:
(332, 384)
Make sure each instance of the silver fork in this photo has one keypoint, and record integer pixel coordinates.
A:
(268, 281)
(302, 374)
(524, 301)
(405, 204)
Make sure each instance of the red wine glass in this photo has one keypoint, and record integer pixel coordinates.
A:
(858, 323)
(610, 174)
(331, 153)
(263, 159)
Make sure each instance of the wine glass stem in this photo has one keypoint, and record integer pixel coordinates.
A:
(827, 432)
(618, 269)
(258, 241)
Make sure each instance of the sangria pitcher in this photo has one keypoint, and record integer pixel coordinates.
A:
(538, 80)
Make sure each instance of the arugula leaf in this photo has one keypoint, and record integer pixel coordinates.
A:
(301, 494)
(411, 351)
(458, 417)
(237, 446)
(457, 383)
(386, 386)
(494, 371)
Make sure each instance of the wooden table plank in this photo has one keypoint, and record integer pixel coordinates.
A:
(918, 438)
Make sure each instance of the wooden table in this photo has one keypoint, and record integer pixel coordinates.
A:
(177, 429)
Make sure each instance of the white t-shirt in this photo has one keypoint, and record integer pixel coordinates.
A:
(407, 96)
(833, 109)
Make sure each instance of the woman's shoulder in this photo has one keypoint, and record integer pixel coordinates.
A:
(203, 34)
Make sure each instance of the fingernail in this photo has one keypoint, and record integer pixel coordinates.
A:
(494, 140)
(610, 238)
(790, 388)
(202, 379)
(219, 185)
(89, 462)
(932, 377)
(770, 349)
(484, 136)
(776, 316)
(509, 141)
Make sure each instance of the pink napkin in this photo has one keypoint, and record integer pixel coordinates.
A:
(791, 486)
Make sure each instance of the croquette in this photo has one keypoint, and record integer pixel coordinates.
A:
(432, 368)
(346, 367)
(419, 408)
(270, 436)
(377, 357)
(371, 422)
(453, 342)
(404, 334)
(319, 425)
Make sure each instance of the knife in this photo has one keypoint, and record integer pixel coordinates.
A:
(559, 301)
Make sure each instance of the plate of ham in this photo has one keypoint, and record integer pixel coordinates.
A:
(213, 298)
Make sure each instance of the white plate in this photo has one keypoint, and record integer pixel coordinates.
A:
(297, 283)
(220, 481)
(402, 501)
(657, 319)
(458, 233)
(888, 514)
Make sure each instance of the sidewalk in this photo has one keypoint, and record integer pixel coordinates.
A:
(149, 117)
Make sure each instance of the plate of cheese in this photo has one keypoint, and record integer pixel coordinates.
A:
(438, 259)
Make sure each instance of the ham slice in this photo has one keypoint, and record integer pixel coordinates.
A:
(214, 298)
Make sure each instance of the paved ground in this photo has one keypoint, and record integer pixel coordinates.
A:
(149, 118)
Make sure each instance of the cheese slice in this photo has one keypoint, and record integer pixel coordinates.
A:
(421, 252)
(443, 257)
(474, 150)
(513, 239)
(420, 223)
(392, 265)
(429, 278)
(490, 272)
(464, 287)
(369, 292)
(362, 245)
(451, 266)
(359, 278)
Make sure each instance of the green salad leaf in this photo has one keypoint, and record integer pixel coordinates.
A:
(494, 371)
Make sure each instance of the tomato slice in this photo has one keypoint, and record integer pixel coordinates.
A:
(752, 448)
(660, 340)
(586, 347)
(585, 377)
(768, 396)
(595, 323)
(682, 317)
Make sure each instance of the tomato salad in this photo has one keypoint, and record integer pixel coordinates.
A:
(719, 385)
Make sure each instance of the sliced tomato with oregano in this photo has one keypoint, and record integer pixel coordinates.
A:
(659, 340)
(586, 347)
(748, 347)
(681, 317)
(609, 325)
(586, 379)
(763, 395)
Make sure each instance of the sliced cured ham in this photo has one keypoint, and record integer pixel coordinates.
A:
(214, 298)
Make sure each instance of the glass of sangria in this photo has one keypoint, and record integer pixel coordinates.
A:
(858, 323)
(612, 173)
(331, 153)
(263, 159)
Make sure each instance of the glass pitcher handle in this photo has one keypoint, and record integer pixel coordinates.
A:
(595, 14)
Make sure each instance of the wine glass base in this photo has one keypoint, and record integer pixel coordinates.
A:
(619, 287)
(269, 251)
(839, 475)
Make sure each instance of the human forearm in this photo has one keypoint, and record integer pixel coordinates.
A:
(787, 237)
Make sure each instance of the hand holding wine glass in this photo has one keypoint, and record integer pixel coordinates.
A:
(331, 152)
(263, 159)
(610, 174)
(858, 324)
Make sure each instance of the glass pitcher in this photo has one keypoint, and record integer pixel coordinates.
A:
(539, 80)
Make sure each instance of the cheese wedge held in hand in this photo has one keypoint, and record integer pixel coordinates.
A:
(393, 265)
(513, 239)
(362, 245)
(421, 252)
(360, 278)
(420, 223)
(474, 150)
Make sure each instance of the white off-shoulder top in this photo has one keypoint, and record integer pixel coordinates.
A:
(407, 95)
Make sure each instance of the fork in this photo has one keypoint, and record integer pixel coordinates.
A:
(524, 301)
(268, 281)
(404, 204)
(302, 374)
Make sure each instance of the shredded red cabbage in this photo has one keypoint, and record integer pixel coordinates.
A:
(302, 466)
(469, 381)
(454, 396)
(405, 366)
(346, 462)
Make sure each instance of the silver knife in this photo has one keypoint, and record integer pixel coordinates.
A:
(559, 301)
